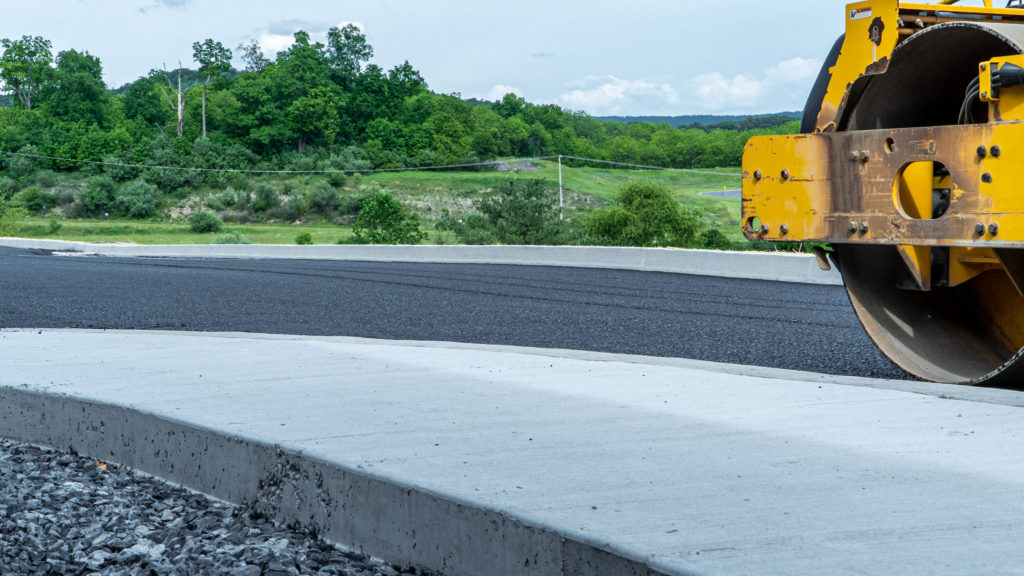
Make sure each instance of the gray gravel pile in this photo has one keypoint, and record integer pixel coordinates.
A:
(66, 514)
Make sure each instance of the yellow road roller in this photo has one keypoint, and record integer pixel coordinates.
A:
(910, 166)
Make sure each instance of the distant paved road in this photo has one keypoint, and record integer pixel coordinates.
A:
(781, 325)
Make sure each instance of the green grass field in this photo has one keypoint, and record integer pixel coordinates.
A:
(428, 194)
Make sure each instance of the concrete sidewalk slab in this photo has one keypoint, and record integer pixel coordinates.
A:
(478, 460)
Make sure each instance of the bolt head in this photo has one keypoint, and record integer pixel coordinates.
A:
(984, 94)
(864, 227)
(865, 155)
(986, 177)
(757, 174)
(984, 66)
(784, 229)
(764, 228)
(982, 151)
(853, 227)
(993, 229)
(979, 229)
(854, 156)
(785, 174)
(996, 151)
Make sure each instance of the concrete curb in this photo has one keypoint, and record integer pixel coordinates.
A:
(778, 267)
(377, 516)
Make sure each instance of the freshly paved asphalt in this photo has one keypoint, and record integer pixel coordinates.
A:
(770, 324)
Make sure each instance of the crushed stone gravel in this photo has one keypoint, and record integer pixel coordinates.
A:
(62, 513)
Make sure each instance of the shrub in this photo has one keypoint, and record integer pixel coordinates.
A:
(117, 167)
(21, 167)
(323, 198)
(289, 211)
(53, 226)
(204, 221)
(36, 201)
(137, 199)
(8, 187)
(383, 220)
(644, 214)
(304, 239)
(11, 215)
(98, 194)
(265, 197)
(46, 178)
(233, 237)
(713, 239)
(518, 212)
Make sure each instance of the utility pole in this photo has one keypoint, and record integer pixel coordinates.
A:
(561, 202)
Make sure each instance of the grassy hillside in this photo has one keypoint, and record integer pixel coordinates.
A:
(430, 195)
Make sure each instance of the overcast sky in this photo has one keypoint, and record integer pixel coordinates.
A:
(636, 57)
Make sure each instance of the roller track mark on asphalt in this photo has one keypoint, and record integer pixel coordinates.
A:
(754, 310)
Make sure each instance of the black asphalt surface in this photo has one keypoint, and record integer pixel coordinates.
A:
(772, 324)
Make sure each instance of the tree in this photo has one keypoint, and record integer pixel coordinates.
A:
(214, 59)
(179, 94)
(347, 49)
(77, 92)
(25, 65)
(253, 56)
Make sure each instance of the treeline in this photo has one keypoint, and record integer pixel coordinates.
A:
(710, 122)
(315, 106)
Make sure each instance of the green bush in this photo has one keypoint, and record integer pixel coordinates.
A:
(117, 167)
(323, 198)
(53, 226)
(36, 201)
(265, 197)
(137, 199)
(518, 212)
(46, 178)
(644, 214)
(8, 187)
(11, 215)
(233, 237)
(205, 221)
(383, 220)
(713, 239)
(98, 194)
(304, 239)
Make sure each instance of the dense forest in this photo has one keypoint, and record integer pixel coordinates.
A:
(315, 106)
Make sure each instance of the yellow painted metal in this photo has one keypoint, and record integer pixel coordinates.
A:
(1004, 103)
(966, 263)
(872, 32)
(788, 178)
(988, 3)
(846, 186)
(913, 190)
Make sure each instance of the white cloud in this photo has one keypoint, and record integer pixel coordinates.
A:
(274, 43)
(498, 92)
(281, 34)
(781, 87)
(607, 96)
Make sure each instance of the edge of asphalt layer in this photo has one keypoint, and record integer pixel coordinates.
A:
(772, 266)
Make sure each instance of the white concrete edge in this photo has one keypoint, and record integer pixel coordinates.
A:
(772, 266)
(296, 489)
(938, 390)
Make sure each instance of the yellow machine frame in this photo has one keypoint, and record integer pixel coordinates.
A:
(876, 186)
